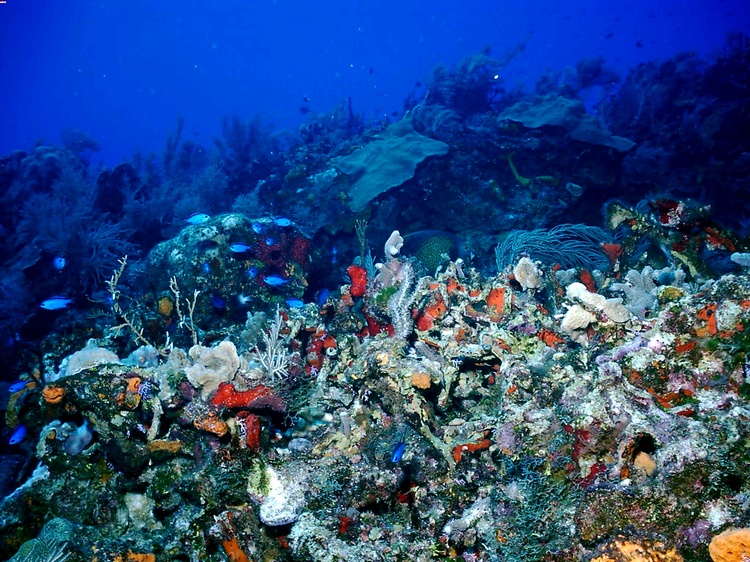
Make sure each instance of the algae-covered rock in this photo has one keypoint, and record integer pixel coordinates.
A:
(386, 162)
(49, 545)
(281, 496)
(222, 268)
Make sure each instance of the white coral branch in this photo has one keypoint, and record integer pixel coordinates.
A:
(274, 358)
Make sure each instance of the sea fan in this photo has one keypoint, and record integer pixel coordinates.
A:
(570, 245)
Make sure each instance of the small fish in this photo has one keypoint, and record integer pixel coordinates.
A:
(258, 228)
(56, 303)
(270, 241)
(197, 218)
(295, 303)
(244, 300)
(334, 255)
(281, 221)
(398, 452)
(206, 268)
(103, 298)
(239, 248)
(217, 302)
(252, 272)
(59, 263)
(18, 435)
(275, 281)
(16, 386)
(323, 296)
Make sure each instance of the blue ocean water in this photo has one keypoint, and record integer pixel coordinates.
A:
(124, 72)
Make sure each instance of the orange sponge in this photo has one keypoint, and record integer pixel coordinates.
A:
(733, 545)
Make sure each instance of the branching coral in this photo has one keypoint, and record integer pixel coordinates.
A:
(63, 222)
(274, 357)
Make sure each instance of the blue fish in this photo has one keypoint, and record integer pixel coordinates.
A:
(258, 228)
(16, 386)
(206, 267)
(56, 303)
(270, 241)
(18, 435)
(252, 271)
(217, 302)
(323, 296)
(281, 221)
(244, 299)
(197, 218)
(295, 303)
(398, 452)
(59, 263)
(239, 248)
(275, 281)
(334, 255)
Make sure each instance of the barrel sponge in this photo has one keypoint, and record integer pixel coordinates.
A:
(387, 161)
(733, 545)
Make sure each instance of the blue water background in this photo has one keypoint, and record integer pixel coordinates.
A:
(123, 72)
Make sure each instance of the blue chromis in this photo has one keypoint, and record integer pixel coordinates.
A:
(398, 452)
(295, 303)
(252, 272)
(323, 296)
(59, 263)
(217, 302)
(55, 303)
(239, 248)
(18, 435)
(197, 218)
(258, 228)
(275, 281)
(16, 386)
(282, 221)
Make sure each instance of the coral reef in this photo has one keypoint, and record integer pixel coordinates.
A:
(483, 425)
(262, 385)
